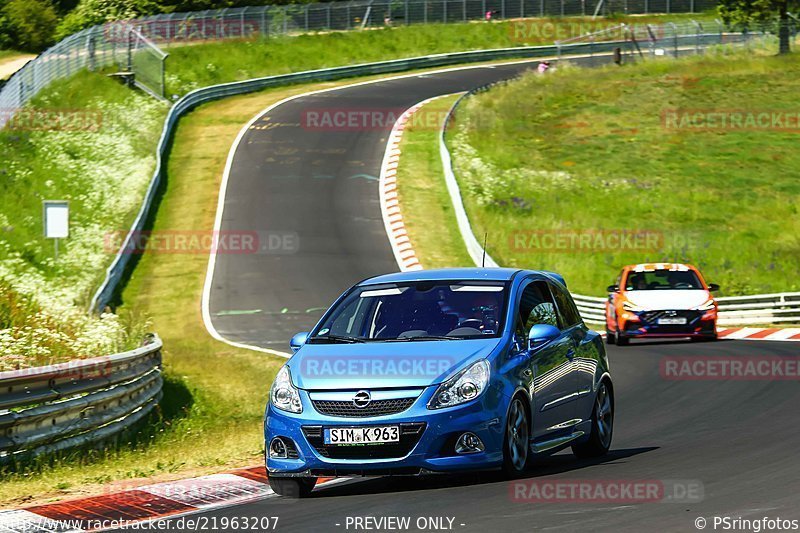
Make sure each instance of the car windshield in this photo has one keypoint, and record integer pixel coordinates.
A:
(423, 310)
(662, 280)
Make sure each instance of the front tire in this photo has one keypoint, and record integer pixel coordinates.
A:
(610, 337)
(516, 444)
(621, 341)
(599, 440)
(292, 487)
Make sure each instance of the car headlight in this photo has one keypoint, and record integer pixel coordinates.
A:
(463, 387)
(707, 306)
(628, 306)
(284, 395)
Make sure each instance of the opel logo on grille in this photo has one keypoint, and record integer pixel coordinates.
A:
(362, 399)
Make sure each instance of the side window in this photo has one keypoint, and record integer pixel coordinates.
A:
(535, 307)
(568, 314)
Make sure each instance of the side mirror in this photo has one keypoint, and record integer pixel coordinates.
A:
(712, 287)
(541, 334)
(298, 340)
(613, 288)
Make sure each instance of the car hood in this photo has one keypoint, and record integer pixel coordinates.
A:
(657, 300)
(372, 365)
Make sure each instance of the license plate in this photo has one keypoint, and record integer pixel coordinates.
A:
(365, 435)
(672, 321)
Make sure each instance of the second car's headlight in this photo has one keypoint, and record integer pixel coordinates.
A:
(284, 395)
(629, 306)
(463, 387)
(707, 306)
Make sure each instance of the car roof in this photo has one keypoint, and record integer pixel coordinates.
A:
(451, 274)
(649, 267)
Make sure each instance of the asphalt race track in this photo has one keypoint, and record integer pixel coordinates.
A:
(736, 440)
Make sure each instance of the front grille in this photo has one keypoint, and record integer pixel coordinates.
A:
(651, 317)
(375, 407)
(410, 433)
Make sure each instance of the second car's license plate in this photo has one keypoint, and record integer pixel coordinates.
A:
(669, 321)
(362, 435)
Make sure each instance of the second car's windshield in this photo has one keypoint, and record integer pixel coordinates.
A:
(424, 310)
(662, 280)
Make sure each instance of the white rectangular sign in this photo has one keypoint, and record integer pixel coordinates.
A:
(56, 219)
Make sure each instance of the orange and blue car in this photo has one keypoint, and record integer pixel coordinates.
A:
(660, 300)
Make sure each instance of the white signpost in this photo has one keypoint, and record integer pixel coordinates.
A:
(56, 221)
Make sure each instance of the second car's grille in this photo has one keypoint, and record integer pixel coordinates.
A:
(375, 407)
(651, 317)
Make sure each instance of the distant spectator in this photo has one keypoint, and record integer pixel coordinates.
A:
(488, 16)
(387, 20)
(543, 67)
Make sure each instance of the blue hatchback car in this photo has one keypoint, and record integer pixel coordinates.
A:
(439, 371)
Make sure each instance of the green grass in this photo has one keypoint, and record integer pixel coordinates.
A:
(587, 150)
(424, 202)
(100, 159)
(198, 65)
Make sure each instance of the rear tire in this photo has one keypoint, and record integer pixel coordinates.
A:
(292, 487)
(516, 444)
(610, 338)
(599, 440)
(621, 341)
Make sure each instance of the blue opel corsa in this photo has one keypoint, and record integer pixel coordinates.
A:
(439, 371)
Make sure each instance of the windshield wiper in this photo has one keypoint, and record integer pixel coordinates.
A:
(425, 338)
(337, 338)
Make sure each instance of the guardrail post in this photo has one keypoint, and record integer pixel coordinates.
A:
(285, 20)
(444, 10)
(521, 8)
(675, 37)
(699, 29)
(425, 11)
(307, 18)
(541, 8)
(406, 13)
(503, 9)
(691, 6)
(646, 7)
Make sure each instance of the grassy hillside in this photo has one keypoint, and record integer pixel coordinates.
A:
(610, 150)
(197, 65)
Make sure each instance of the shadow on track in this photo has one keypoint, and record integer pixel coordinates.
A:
(547, 466)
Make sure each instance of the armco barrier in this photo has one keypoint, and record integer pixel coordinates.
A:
(50, 408)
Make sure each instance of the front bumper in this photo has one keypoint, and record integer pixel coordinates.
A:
(647, 324)
(430, 450)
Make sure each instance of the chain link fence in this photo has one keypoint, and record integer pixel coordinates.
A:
(245, 22)
(134, 45)
(120, 44)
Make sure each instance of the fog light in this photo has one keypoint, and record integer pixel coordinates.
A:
(469, 443)
(277, 448)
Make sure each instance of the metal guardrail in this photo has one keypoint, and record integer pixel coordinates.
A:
(733, 310)
(51, 408)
